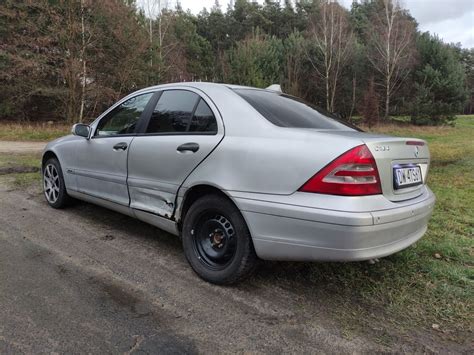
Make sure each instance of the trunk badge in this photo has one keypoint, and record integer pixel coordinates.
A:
(417, 151)
(382, 148)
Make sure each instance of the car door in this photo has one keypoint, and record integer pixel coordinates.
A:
(182, 130)
(101, 161)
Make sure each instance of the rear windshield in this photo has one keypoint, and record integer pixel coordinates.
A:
(288, 111)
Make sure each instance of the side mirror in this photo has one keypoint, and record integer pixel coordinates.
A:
(81, 130)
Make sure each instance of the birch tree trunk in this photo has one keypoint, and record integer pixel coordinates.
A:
(151, 14)
(334, 40)
(391, 38)
(84, 67)
(154, 12)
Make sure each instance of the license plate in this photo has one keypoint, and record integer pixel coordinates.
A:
(406, 176)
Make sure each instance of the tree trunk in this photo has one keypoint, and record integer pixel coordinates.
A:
(160, 38)
(328, 107)
(354, 85)
(83, 92)
(150, 22)
(83, 60)
(334, 41)
(387, 99)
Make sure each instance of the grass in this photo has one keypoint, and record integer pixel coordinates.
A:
(24, 180)
(33, 131)
(22, 167)
(20, 160)
(430, 283)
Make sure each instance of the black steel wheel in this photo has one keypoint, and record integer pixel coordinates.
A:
(217, 242)
(214, 240)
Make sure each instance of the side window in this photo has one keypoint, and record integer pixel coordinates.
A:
(123, 119)
(173, 112)
(203, 119)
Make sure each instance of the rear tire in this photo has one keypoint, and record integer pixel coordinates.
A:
(217, 242)
(54, 187)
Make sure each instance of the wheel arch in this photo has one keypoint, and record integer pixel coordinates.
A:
(48, 155)
(195, 192)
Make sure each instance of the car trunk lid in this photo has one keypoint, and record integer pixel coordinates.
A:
(392, 153)
(405, 157)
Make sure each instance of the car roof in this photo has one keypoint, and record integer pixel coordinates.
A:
(201, 85)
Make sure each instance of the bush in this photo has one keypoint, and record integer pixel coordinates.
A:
(426, 111)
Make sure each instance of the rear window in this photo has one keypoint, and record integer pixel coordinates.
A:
(288, 111)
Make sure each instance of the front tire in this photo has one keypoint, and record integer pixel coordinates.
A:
(217, 242)
(54, 187)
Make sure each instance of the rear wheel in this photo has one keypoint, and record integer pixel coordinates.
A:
(217, 242)
(53, 184)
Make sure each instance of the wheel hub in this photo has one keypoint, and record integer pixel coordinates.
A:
(214, 240)
(217, 238)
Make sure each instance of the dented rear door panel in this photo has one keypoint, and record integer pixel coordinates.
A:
(156, 169)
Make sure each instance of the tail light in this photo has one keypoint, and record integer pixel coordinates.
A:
(354, 173)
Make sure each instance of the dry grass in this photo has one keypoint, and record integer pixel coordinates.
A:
(11, 131)
(392, 128)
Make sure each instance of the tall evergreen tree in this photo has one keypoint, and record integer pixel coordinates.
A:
(69, 59)
(440, 90)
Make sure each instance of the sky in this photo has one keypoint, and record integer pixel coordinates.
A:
(452, 20)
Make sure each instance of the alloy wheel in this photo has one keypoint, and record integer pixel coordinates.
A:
(51, 183)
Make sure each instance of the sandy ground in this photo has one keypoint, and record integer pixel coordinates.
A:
(89, 280)
(21, 147)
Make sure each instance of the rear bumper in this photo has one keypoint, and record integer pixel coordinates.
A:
(293, 232)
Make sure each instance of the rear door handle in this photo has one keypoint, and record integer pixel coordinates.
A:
(121, 145)
(192, 147)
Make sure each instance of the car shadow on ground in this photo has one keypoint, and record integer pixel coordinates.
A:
(115, 221)
(302, 275)
(332, 293)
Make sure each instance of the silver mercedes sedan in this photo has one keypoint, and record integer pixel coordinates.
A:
(243, 174)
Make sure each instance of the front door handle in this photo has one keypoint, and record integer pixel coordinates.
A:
(121, 145)
(192, 147)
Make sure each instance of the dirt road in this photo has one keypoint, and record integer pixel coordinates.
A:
(86, 279)
(21, 147)
(89, 279)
